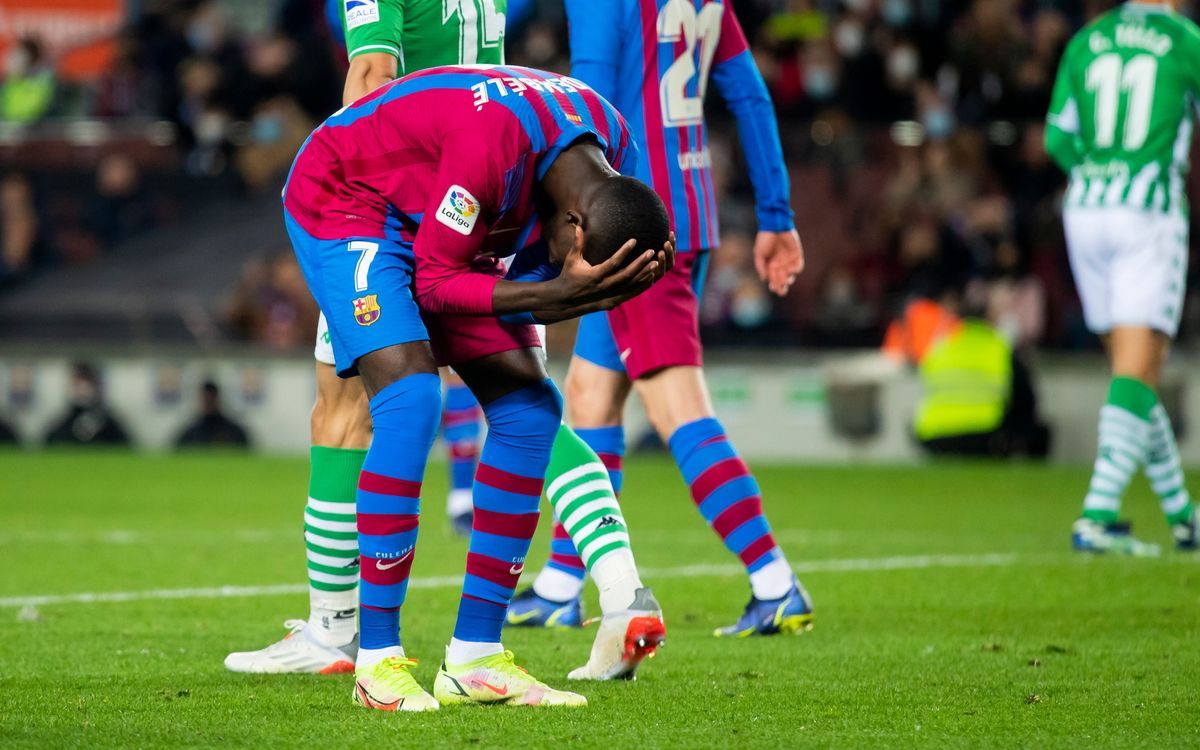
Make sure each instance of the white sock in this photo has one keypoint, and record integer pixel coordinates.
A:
(332, 616)
(617, 578)
(773, 580)
(369, 657)
(557, 586)
(458, 502)
(461, 652)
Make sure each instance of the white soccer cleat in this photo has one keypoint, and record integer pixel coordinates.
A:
(625, 639)
(297, 653)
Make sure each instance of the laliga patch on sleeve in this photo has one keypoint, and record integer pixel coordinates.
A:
(361, 12)
(458, 210)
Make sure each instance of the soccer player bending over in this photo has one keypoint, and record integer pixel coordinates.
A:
(1120, 124)
(431, 33)
(398, 208)
(652, 59)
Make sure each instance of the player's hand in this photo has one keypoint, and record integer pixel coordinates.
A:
(662, 261)
(778, 258)
(581, 283)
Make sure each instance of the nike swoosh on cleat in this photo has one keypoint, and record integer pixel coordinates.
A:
(516, 619)
(493, 688)
(368, 700)
(380, 566)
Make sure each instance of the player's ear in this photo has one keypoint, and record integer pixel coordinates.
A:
(577, 239)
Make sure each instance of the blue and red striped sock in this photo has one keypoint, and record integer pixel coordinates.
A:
(405, 417)
(461, 416)
(563, 556)
(508, 487)
(609, 444)
(728, 497)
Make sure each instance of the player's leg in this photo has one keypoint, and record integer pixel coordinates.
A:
(405, 404)
(1108, 249)
(376, 331)
(340, 435)
(1123, 427)
(727, 496)
(1139, 351)
(523, 410)
(658, 335)
(631, 626)
(460, 431)
(580, 490)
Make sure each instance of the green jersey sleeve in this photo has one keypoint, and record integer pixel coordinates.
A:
(1062, 139)
(373, 26)
(1192, 41)
(427, 33)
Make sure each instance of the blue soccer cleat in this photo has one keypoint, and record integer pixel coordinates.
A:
(791, 614)
(1114, 538)
(1187, 535)
(528, 610)
(461, 524)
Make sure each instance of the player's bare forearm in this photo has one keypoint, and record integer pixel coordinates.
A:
(368, 72)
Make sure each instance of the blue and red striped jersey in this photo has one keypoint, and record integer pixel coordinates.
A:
(446, 159)
(654, 59)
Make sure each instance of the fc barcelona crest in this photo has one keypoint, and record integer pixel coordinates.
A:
(366, 310)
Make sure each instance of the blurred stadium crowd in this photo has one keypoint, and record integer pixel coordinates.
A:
(912, 129)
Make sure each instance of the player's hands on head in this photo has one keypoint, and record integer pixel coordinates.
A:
(778, 258)
(591, 288)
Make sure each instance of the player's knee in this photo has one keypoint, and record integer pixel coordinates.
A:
(529, 417)
(673, 397)
(342, 421)
(591, 403)
(408, 411)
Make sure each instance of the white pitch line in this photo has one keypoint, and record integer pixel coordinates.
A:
(836, 565)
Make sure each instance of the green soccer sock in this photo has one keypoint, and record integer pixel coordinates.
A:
(1165, 470)
(581, 494)
(1123, 442)
(331, 530)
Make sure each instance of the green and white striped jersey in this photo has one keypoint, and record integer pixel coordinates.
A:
(426, 33)
(1121, 116)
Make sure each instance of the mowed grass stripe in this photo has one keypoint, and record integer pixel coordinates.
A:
(863, 564)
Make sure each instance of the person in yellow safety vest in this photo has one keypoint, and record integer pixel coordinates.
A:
(977, 398)
(27, 89)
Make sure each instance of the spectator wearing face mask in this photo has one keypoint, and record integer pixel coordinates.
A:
(212, 427)
(88, 421)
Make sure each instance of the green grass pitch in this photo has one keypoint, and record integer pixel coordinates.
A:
(950, 613)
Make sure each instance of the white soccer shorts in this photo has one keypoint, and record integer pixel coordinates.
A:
(1130, 266)
(323, 351)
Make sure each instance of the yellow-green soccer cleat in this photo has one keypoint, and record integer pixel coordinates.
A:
(496, 679)
(389, 686)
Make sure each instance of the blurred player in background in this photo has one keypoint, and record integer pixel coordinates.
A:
(383, 39)
(1120, 124)
(653, 60)
(399, 208)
